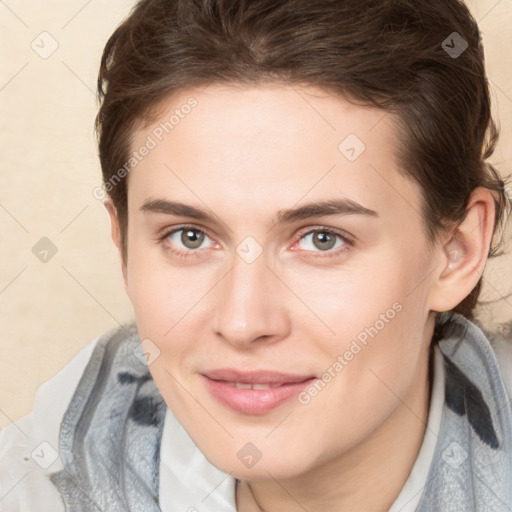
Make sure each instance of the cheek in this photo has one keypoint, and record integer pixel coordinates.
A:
(385, 344)
(344, 302)
(169, 304)
(161, 294)
(379, 318)
(368, 377)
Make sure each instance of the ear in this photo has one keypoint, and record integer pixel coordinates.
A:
(463, 254)
(116, 234)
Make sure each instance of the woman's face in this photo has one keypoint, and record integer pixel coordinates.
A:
(284, 333)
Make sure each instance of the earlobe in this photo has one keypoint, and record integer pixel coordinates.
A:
(464, 254)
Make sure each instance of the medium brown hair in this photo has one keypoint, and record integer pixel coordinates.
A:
(390, 54)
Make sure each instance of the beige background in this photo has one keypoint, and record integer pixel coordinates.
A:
(49, 168)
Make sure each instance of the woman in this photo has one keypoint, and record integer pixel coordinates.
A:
(300, 196)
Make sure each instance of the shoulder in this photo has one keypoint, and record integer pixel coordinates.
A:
(29, 447)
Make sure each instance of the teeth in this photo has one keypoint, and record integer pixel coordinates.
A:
(260, 386)
(242, 385)
(246, 385)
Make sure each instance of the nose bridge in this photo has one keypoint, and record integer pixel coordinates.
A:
(249, 307)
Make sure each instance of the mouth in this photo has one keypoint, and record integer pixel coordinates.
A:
(254, 393)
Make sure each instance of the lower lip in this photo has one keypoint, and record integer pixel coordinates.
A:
(254, 401)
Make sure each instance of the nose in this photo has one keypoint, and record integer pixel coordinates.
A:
(251, 305)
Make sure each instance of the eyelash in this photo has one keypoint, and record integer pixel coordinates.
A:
(331, 253)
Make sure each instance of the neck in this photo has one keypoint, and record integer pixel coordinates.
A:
(366, 478)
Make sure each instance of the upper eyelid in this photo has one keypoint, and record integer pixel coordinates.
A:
(171, 231)
(334, 231)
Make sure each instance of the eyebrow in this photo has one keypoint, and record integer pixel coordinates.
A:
(310, 210)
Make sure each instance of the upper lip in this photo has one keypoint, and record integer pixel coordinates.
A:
(255, 377)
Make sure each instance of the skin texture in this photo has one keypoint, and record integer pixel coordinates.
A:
(246, 153)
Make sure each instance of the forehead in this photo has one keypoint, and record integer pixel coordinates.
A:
(281, 143)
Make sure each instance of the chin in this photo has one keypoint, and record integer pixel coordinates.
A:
(247, 461)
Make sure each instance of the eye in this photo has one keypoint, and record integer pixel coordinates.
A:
(186, 238)
(325, 240)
